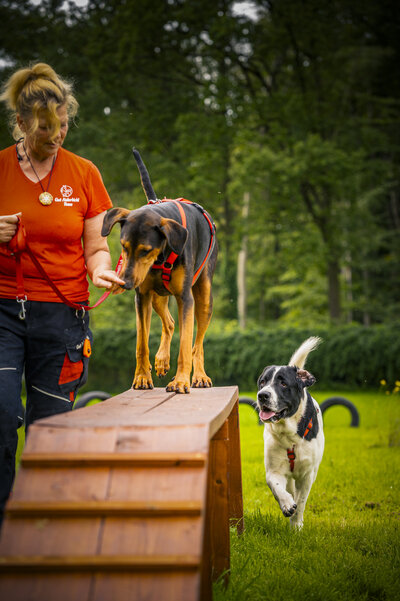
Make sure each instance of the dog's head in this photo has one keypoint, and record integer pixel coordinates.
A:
(280, 391)
(144, 236)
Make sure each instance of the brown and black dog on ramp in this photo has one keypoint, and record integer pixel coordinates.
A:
(169, 248)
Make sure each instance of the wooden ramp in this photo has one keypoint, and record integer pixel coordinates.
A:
(130, 499)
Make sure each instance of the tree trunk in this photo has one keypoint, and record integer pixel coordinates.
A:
(334, 290)
(241, 267)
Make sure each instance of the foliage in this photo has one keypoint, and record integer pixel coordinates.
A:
(296, 106)
(352, 356)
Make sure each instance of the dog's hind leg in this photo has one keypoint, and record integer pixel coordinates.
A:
(162, 359)
(203, 311)
(142, 377)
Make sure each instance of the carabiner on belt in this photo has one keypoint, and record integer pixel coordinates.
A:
(22, 311)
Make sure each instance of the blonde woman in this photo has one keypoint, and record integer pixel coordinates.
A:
(61, 200)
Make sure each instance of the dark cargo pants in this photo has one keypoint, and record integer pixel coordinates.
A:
(48, 347)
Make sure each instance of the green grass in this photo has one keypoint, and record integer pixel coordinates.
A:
(349, 547)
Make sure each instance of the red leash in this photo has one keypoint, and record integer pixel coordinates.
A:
(19, 244)
(290, 452)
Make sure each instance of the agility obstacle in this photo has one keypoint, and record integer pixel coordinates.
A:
(129, 499)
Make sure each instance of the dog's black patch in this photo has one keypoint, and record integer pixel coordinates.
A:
(310, 415)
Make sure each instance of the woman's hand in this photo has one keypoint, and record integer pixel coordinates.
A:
(97, 256)
(107, 278)
(8, 227)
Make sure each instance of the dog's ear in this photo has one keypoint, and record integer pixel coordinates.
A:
(305, 378)
(112, 217)
(175, 234)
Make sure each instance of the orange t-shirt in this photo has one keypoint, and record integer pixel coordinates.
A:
(54, 232)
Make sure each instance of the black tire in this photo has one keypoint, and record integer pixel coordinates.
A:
(83, 400)
(339, 400)
(245, 400)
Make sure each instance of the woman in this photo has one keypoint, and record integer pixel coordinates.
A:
(61, 200)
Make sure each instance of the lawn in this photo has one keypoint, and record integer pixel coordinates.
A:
(349, 547)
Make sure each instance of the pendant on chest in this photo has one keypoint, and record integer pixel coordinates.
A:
(45, 198)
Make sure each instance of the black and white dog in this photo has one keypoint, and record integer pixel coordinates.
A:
(293, 432)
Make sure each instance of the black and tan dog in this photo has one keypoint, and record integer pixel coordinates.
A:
(169, 248)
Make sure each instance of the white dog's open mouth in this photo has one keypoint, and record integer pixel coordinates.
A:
(267, 416)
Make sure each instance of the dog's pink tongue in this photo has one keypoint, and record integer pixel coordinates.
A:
(264, 415)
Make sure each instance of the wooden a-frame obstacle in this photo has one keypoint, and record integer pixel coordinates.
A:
(130, 499)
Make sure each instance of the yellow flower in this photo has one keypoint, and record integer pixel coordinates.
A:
(382, 382)
(396, 389)
(397, 383)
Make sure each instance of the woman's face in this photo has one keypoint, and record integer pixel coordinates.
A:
(40, 144)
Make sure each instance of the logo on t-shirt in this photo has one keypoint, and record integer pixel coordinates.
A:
(66, 191)
(67, 198)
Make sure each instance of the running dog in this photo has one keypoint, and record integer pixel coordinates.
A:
(293, 431)
(169, 247)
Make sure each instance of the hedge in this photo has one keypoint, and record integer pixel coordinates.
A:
(350, 357)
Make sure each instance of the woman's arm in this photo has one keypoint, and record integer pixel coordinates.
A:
(97, 254)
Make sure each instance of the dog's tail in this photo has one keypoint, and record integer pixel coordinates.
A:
(299, 357)
(144, 176)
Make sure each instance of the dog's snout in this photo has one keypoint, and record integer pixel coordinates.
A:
(264, 396)
(128, 286)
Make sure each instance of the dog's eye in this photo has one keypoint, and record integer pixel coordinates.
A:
(144, 252)
(283, 384)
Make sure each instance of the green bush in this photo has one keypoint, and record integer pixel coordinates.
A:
(352, 356)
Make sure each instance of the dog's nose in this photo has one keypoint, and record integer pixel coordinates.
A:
(128, 286)
(264, 396)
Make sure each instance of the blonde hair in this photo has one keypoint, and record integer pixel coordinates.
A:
(34, 92)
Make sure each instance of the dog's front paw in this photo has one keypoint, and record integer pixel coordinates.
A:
(142, 382)
(288, 509)
(201, 381)
(161, 365)
(179, 385)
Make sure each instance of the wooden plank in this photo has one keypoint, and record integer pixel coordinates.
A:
(121, 410)
(235, 471)
(217, 550)
(209, 406)
(49, 537)
(46, 439)
(158, 484)
(55, 484)
(152, 536)
(156, 438)
(148, 460)
(107, 563)
(31, 587)
(82, 509)
(164, 586)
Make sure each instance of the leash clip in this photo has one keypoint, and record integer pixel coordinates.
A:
(77, 315)
(22, 312)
